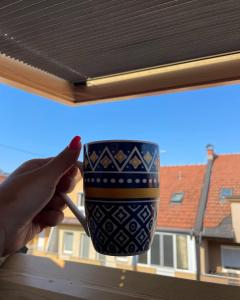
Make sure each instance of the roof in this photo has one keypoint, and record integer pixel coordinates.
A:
(225, 173)
(187, 179)
(223, 230)
(66, 46)
(2, 177)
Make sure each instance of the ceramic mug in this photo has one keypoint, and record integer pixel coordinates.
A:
(121, 187)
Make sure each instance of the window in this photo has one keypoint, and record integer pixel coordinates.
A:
(155, 250)
(167, 250)
(182, 252)
(41, 241)
(84, 246)
(177, 197)
(67, 242)
(226, 192)
(143, 258)
(101, 258)
(80, 200)
(121, 259)
(52, 244)
(231, 257)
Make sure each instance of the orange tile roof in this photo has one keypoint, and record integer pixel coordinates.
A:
(188, 179)
(2, 178)
(225, 173)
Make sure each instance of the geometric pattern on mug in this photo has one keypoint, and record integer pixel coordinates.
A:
(121, 161)
(125, 229)
(121, 180)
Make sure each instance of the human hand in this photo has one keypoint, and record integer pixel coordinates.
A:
(31, 198)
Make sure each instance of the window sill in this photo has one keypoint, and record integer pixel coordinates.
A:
(39, 278)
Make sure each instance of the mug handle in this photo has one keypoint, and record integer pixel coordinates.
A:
(78, 214)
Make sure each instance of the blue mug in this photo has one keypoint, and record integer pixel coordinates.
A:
(121, 186)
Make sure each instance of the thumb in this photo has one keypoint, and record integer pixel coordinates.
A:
(60, 164)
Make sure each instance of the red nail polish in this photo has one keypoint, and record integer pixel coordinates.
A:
(75, 143)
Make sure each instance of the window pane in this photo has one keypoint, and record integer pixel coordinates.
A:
(41, 241)
(101, 258)
(168, 251)
(155, 250)
(142, 259)
(122, 259)
(182, 252)
(67, 242)
(177, 197)
(84, 246)
(231, 257)
(226, 192)
(53, 240)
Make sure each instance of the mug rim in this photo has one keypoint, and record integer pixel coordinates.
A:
(121, 141)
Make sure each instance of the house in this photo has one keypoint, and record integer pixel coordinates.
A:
(220, 243)
(198, 227)
(173, 249)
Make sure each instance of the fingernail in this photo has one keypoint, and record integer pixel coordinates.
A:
(75, 143)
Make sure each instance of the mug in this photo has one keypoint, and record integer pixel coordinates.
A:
(121, 187)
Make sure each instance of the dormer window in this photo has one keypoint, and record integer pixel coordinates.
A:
(177, 197)
(225, 192)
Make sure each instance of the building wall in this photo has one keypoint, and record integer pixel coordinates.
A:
(214, 254)
(204, 257)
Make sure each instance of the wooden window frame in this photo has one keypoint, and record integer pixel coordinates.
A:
(43, 278)
(188, 75)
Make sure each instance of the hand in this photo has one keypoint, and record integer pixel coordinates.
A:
(31, 197)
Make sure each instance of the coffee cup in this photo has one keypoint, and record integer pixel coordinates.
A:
(121, 189)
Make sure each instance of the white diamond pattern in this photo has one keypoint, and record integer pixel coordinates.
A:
(121, 229)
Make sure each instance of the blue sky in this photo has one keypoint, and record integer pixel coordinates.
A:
(181, 123)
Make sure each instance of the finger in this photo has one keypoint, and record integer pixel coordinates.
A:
(49, 218)
(72, 172)
(56, 203)
(66, 185)
(62, 163)
(30, 165)
(68, 182)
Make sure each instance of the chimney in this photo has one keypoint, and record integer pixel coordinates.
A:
(210, 152)
(179, 176)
